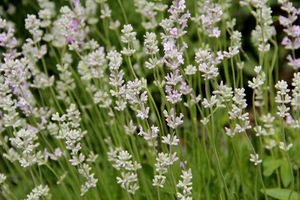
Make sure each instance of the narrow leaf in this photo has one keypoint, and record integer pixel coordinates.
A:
(285, 173)
(281, 194)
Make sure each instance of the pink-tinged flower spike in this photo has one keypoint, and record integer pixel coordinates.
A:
(74, 23)
(292, 40)
(294, 63)
(182, 164)
(173, 57)
(173, 95)
(185, 89)
(74, 27)
(173, 79)
(57, 152)
(211, 15)
(172, 120)
(8, 41)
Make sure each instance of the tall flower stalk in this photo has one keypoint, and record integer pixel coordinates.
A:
(149, 100)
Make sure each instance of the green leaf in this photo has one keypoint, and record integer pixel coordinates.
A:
(281, 194)
(236, 196)
(249, 66)
(148, 170)
(285, 173)
(270, 165)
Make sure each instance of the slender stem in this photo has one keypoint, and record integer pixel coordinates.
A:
(123, 11)
(131, 67)
(288, 159)
(217, 156)
(239, 168)
(276, 171)
(233, 73)
(255, 184)
(158, 193)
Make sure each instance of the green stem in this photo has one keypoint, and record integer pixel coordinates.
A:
(239, 168)
(217, 156)
(123, 12)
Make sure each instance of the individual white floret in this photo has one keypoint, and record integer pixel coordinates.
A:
(255, 159)
(285, 147)
(170, 140)
(105, 12)
(172, 120)
(39, 191)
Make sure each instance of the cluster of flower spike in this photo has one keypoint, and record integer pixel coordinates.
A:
(185, 184)
(264, 31)
(122, 162)
(70, 131)
(27, 122)
(292, 40)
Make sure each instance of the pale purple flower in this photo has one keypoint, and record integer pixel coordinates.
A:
(173, 79)
(169, 46)
(293, 63)
(172, 120)
(182, 164)
(181, 5)
(287, 43)
(58, 152)
(149, 135)
(143, 113)
(170, 140)
(173, 95)
(284, 21)
(174, 31)
(74, 27)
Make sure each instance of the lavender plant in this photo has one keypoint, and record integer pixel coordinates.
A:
(145, 99)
